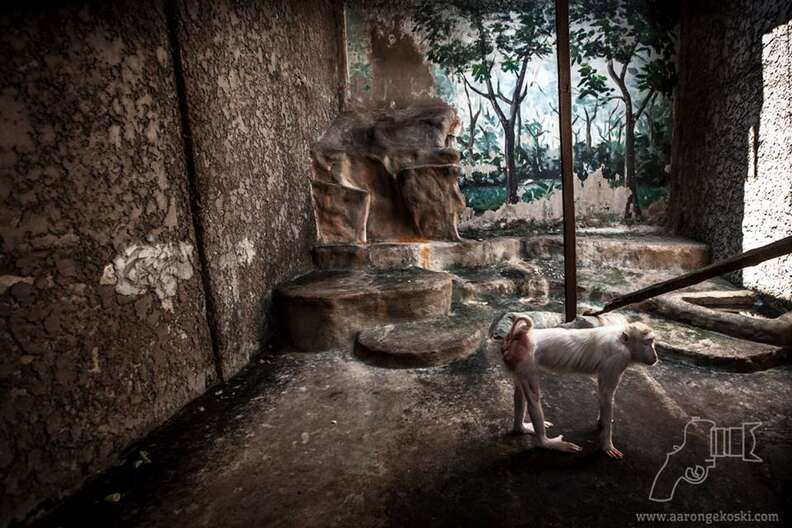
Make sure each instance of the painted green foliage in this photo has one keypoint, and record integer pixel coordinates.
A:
(499, 57)
(473, 40)
(636, 41)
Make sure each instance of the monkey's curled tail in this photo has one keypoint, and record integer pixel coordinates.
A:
(515, 333)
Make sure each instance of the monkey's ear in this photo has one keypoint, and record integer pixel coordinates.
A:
(624, 337)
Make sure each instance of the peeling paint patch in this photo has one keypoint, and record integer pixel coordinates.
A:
(95, 368)
(89, 136)
(157, 268)
(245, 251)
(108, 276)
(6, 281)
(594, 198)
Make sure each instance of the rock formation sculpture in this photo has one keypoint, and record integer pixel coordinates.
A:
(388, 176)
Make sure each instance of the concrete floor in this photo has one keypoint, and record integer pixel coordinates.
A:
(325, 440)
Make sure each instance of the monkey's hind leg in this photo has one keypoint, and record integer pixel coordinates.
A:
(520, 407)
(530, 387)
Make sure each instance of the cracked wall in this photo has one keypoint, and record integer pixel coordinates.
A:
(103, 321)
(93, 181)
(262, 84)
(733, 133)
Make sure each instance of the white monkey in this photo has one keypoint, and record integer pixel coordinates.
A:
(605, 351)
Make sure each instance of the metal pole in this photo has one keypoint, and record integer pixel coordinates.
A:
(565, 128)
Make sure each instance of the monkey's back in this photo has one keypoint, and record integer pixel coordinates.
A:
(574, 350)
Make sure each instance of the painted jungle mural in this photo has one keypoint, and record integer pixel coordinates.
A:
(495, 62)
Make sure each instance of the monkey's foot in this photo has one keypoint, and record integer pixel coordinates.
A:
(528, 428)
(559, 444)
(613, 452)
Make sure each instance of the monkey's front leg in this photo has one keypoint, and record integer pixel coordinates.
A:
(607, 390)
(530, 386)
(520, 407)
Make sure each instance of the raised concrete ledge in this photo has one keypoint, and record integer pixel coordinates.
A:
(648, 252)
(515, 279)
(642, 251)
(434, 255)
(326, 309)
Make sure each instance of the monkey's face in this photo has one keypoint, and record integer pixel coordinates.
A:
(648, 353)
(641, 342)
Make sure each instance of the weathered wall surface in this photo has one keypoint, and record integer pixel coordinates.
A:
(103, 314)
(386, 62)
(262, 82)
(732, 175)
(103, 328)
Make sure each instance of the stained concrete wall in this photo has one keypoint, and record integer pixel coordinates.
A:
(262, 84)
(103, 328)
(103, 316)
(732, 167)
(387, 64)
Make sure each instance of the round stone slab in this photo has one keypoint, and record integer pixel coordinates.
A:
(420, 343)
(326, 309)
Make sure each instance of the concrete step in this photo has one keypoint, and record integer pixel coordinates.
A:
(636, 251)
(603, 283)
(515, 278)
(425, 343)
(632, 251)
(434, 255)
(326, 309)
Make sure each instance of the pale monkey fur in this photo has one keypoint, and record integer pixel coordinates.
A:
(605, 351)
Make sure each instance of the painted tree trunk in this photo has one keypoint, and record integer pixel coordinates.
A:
(629, 165)
(588, 138)
(511, 170)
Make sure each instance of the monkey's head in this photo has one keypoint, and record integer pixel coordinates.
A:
(639, 340)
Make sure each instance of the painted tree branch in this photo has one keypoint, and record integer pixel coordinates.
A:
(494, 100)
(473, 119)
(618, 79)
(469, 85)
(522, 97)
(500, 95)
(518, 87)
(641, 108)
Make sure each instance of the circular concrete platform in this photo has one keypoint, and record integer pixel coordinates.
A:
(326, 309)
(420, 343)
